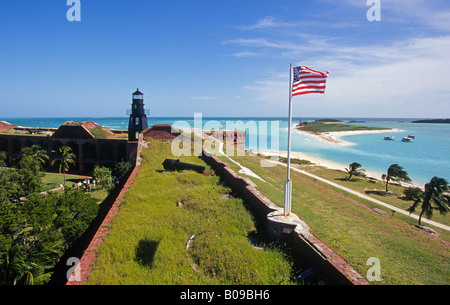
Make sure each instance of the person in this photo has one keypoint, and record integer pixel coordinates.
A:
(61, 186)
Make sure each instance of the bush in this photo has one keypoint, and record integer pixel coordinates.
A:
(103, 176)
(3, 158)
(34, 235)
(121, 169)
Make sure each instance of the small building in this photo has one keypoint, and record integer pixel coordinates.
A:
(161, 132)
(74, 130)
(91, 143)
(5, 125)
(235, 136)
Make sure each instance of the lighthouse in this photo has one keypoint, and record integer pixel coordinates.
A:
(138, 117)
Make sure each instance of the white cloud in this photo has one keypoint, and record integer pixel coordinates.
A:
(255, 42)
(408, 77)
(203, 98)
(267, 22)
(246, 54)
(369, 77)
(434, 14)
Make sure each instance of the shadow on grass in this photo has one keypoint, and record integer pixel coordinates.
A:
(74, 180)
(379, 193)
(353, 179)
(145, 252)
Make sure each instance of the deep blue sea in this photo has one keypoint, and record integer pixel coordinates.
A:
(426, 157)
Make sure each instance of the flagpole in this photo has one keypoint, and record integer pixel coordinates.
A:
(288, 184)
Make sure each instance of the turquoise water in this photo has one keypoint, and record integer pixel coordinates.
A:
(426, 157)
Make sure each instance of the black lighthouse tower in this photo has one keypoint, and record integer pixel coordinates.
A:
(138, 117)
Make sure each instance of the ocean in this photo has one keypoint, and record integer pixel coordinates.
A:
(427, 156)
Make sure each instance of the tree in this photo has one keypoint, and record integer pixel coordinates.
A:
(11, 188)
(412, 193)
(3, 158)
(13, 264)
(65, 159)
(75, 211)
(37, 153)
(31, 174)
(34, 234)
(121, 169)
(435, 192)
(395, 173)
(354, 169)
(104, 177)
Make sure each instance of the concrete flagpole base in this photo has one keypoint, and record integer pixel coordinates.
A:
(278, 224)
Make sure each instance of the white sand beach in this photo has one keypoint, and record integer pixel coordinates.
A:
(317, 161)
(313, 159)
(335, 137)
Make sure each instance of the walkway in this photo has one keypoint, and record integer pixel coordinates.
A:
(248, 172)
(244, 170)
(393, 208)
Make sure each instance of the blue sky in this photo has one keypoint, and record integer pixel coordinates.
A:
(223, 58)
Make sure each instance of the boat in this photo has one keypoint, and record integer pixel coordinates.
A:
(407, 139)
(389, 138)
(410, 136)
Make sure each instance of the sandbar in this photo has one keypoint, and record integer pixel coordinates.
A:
(335, 136)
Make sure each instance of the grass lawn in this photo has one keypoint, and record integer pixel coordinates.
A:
(376, 189)
(354, 231)
(162, 211)
(53, 180)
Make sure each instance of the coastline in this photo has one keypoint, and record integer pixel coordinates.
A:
(334, 137)
(317, 161)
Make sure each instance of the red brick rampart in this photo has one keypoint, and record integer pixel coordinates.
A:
(81, 273)
(5, 126)
(308, 249)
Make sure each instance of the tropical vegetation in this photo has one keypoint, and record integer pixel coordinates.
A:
(36, 228)
(37, 231)
(433, 198)
(331, 125)
(395, 173)
(349, 225)
(355, 169)
(64, 159)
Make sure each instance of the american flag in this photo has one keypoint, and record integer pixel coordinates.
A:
(307, 80)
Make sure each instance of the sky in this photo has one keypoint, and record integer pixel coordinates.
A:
(224, 58)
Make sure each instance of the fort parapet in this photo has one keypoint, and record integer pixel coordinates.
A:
(91, 143)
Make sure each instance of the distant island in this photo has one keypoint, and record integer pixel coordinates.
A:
(330, 130)
(442, 121)
(332, 125)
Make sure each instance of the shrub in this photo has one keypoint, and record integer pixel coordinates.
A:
(103, 176)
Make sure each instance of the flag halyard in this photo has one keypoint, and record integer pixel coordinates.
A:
(306, 80)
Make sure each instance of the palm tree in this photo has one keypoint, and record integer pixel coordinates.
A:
(434, 193)
(354, 169)
(37, 153)
(395, 173)
(65, 159)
